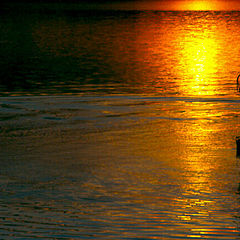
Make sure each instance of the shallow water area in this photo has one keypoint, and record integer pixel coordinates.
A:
(113, 141)
(106, 167)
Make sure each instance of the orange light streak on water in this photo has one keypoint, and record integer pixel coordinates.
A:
(202, 5)
(183, 5)
(199, 58)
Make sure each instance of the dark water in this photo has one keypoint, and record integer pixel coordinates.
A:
(119, 125)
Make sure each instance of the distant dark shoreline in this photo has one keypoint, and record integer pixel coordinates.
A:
(74, 6)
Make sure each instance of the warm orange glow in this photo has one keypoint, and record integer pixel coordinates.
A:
(196, 54)
(175, 5)
(198, 5)
(191, 5)
(200, 61)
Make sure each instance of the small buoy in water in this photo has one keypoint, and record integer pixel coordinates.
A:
(238, 145)
(238, 79)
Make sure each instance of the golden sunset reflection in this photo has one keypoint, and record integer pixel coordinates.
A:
(186, 59)
(198, 5)
(183, 5)
(162, 57)
(199, 61)
(197, 142)
(198, 161)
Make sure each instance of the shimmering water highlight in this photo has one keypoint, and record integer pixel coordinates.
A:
(119, 125)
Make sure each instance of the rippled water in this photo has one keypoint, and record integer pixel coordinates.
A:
(119, 125)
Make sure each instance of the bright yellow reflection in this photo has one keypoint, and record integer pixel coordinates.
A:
(182, 5)
(198, 5)
(206, 5)
(186, 59)
(199, 55)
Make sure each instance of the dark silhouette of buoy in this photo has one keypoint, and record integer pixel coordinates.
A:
(238, 146)
(238, 82)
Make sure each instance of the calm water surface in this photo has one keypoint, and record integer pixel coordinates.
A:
(119, 125)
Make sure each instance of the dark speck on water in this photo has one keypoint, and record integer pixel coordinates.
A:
(119, 125)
